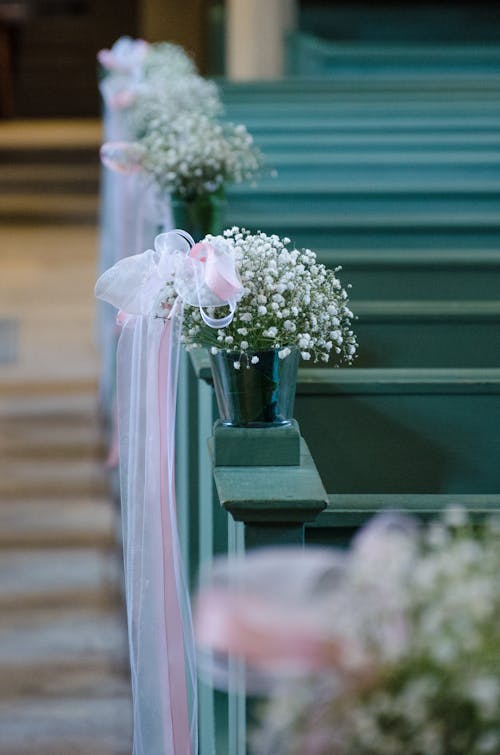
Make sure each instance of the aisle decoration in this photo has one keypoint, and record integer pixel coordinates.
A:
(292, 307)
(150, 290)
(390, 648)
(138, 81)
(190, 157)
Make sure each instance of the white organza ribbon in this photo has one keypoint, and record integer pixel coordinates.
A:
(161, 643)
(203, 275)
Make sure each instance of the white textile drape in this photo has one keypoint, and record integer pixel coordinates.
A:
(159, 620)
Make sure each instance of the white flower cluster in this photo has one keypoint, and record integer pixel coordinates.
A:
(420, 639)
(289, 300)
(190, 153)
(133, 69)
(161, 99)
(173, 112)
(165, 60)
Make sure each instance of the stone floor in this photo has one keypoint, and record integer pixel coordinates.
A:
(64, 686)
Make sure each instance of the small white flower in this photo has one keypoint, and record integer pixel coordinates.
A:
(214, 350)
(236, 365)
(282, 353)
(254, 360)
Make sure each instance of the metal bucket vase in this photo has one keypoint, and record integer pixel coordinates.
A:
(201, 215)
(255, 395)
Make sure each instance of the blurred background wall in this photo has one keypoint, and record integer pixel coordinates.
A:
(48, 47)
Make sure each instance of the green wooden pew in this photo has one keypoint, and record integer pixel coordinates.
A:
(388, 229)
(460, 165)
(358, 86)
(420, 274)
(425, 333)
(413, 440)
(416, 125)
(276, 144)
(364, 196)
(310, 55)
(345, 227)
(345, 514)
(403, 431)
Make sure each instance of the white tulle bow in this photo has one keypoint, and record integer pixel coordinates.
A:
(202, 274)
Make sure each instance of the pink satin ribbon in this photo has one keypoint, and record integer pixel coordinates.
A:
(174, 705)
(220, 275)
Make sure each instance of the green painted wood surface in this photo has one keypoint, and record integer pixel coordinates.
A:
(286, 495)
(403, 431)
(345, 514)
(411, 430)
(387, 23)
(312, 55)
(330, 143)
(476, 200)
(428, 334)
(349, 87)
(418, 274)
(388, 230)
(262, 446)
(464, 165)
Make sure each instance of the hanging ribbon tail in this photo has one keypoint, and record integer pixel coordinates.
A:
(161, 642)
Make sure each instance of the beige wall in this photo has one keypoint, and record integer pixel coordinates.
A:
(255, 37)
(181, 21)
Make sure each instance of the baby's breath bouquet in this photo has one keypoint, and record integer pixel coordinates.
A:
(392, 648)
(289, 300)
(160, 100)
(190, 154)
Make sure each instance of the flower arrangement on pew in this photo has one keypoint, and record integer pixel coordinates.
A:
(282, 304)
(289, 300)
(173, 134)
(134, 68)
(192, 154)
(190, 157)
(390, 648)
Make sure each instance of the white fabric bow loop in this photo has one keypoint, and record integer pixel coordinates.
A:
(126, 56)
(203, 274)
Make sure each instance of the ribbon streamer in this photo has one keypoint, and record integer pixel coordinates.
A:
(161, 643)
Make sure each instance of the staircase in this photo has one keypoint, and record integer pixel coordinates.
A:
(64, 685)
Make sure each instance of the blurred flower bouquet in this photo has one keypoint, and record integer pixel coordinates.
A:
(191, 154)
(133, 69)
(392, 648)
(169, 130)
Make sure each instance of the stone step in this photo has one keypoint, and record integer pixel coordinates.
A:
(46, 208)
(68, 436)
(37, 578)
(67, 726)
(61, 523)
(48, 134)
(76, 178)
(63, 400)
(70, 652)
(47, 478)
